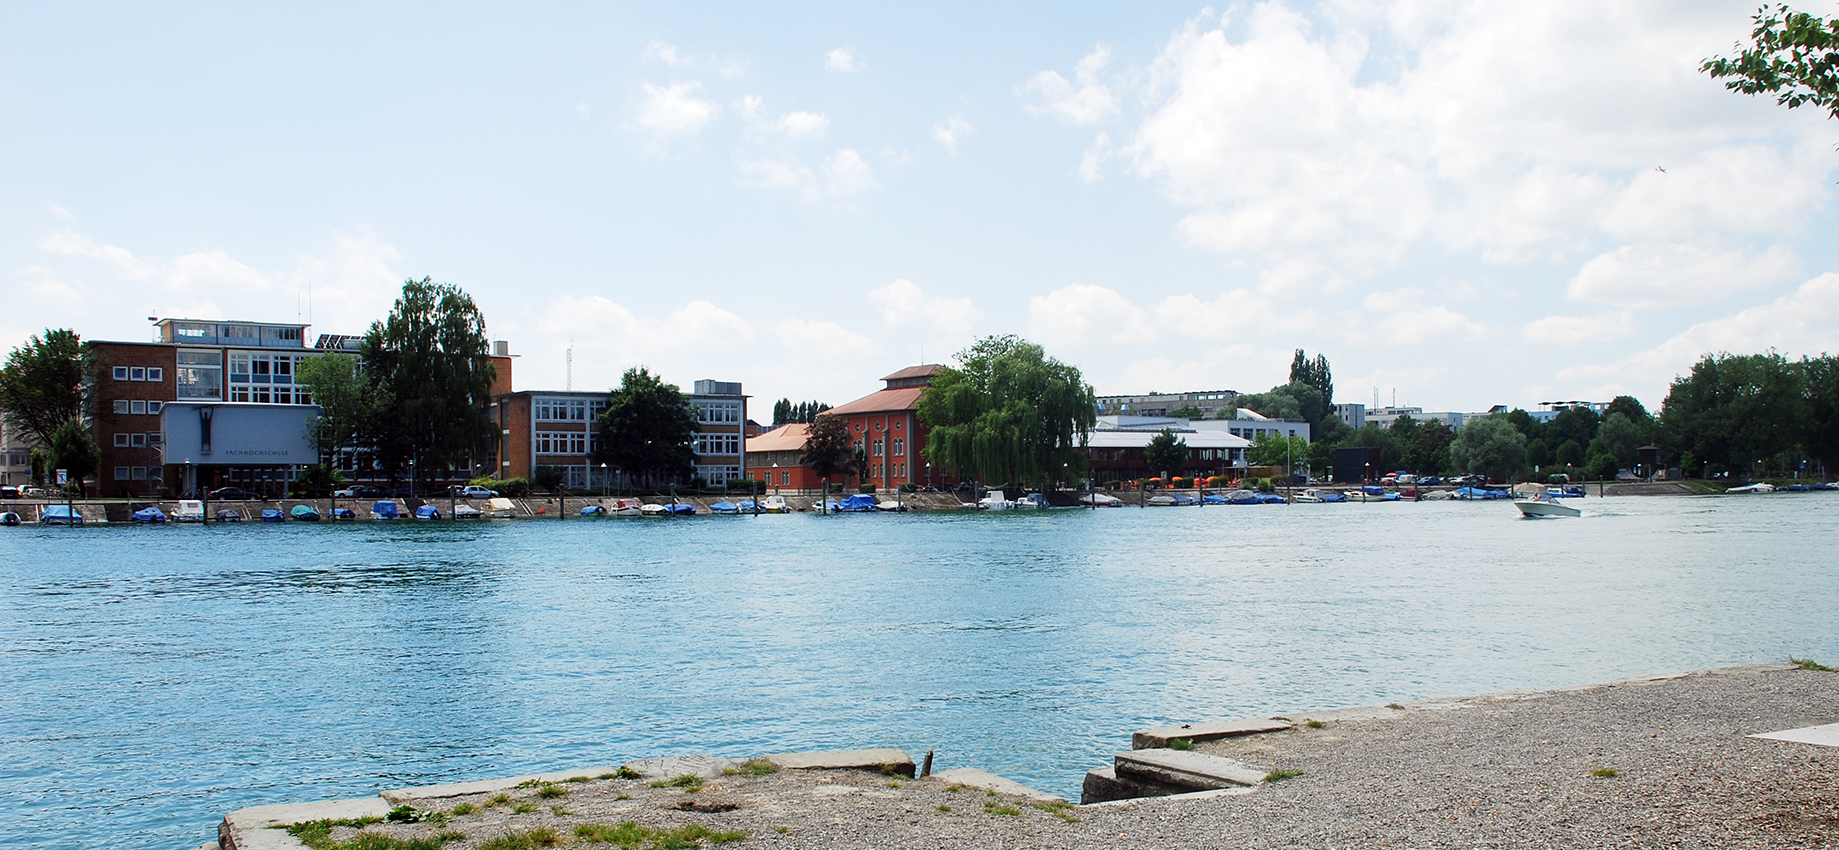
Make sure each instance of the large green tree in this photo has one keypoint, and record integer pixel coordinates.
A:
(1314, 373)
(433, 359)
(1792, 55)
(828, 448)
(42, 384)
(1821, 439)
(348, 402)
(1009, 413)
(1735, 410)
(1491, 447)
(1619, 438)
(649, 429)
(786, 411)
(74, 449)
(1166, 453)
(1273, 449)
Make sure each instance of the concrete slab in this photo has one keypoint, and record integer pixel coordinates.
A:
(1104, 785)
(887, 760)
(696, 764)
(1186, 769)
(971, 777)
(1152, 738)
(248, 829)
(1824, 736)
(400, 796)
(1185, 797)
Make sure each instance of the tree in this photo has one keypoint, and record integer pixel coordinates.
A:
(1735, 410)
(1491, 447)
(74, 449)
(1166, 453)
(432, 358)
(828, 449)
(1794, 55)
(1009, 413)
(1273, 449)
(858, 463)
(1316, 374)
(1621, 439)
(1373, 436)
(784, 411)
(649, 429)
(1573, 424)
(347, 402)
(1570, 453)
(41, 386)
(1188, 411)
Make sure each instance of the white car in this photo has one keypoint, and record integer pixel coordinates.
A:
(474, 491)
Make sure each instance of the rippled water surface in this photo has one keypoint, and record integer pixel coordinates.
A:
(154, 678)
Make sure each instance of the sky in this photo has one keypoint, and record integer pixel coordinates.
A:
(1460, 204)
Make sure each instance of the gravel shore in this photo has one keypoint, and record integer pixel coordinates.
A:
(1502, 770)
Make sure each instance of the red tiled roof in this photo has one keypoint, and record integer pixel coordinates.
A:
(922, 371)
(884, 401)
(785, 438)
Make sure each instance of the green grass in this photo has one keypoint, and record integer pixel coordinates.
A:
(1605, 773)
(1395, 706)
(758, 767)
(498, 799)
(559, 810)
(944, 808)
(953, 789)
(895, 783)
(1060, 809)
(1280, 775)
(1181, 743)
(409, 814)
(782, 829)
(1315, 724)
(995, 808)
(579, 779)
(631, 836)
(689, 782)
(1808, 664)
(628, 773)
(526, 840)
(523, 808)
(464, 809)
(623, 797)
(550, 791)
(318, 836)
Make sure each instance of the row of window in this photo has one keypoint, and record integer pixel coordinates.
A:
(139, 373)
(200, 374)
(123, 405)
(568, 409)
(900, 447)
(130, 473)
(134, 440)
(718, 444)
(718, 474)
(718, 412)
(565, 442)
(879, 426)
(270, 394)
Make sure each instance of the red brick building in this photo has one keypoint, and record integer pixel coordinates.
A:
(886, 425)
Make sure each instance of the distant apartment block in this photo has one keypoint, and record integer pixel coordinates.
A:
(15, 454)
(1162, 404)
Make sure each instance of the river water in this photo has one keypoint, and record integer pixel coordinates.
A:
(154, 678)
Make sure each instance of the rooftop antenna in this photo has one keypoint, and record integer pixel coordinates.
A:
(569, 378)
(1395, 396)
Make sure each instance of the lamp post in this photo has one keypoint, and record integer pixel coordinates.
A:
(605, 483)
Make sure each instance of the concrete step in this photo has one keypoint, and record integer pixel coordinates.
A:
(1186, 770)
(886, 760)
(1152, 738)
(1104, 785)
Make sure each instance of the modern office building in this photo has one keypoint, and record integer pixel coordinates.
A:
(562, 429)
(1209, 402)
(1115, 450)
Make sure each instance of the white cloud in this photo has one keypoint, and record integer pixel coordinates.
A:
(1084, 313)
(676, 110)
(842, 60)
(1094, 158)
(1803, 322)
(1227, 315)
(351, 285)
(1575, 331)
(83, 246)
(1087, 102)
(581, 109)
(1718, 190)
(667, 53)
(44, 286)
(802, 125)
(951, 131)
(846, 173)
(902, 302)
(1401, 317)
(1648, 275)
(60, 212)
(201, 271)
(824, 337)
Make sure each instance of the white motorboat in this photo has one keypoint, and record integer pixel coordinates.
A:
(1101, 500)
(190, 510)
(1758, 487)
(1032, 500)
(1309, 496)
(774, 505)
(499, 507)
(1545, 508)
(466, 511)
(624, 507)
(994, 501)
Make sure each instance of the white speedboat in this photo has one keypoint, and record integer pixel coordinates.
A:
(1032, 500)
(774, 505)
(190, 510)
(624, 507)
(1545, 508)
(1309, 496)
(1101, 500)
(466, 511)
(994, 501)
(1758, 487)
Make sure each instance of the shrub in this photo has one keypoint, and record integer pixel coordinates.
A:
(909, 487)
(511, 488)
(866, 488)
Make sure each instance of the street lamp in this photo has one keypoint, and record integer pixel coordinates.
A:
(603, 479)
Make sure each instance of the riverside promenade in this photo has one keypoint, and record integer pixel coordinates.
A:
(1663, 761)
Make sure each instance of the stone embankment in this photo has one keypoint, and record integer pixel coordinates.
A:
(1664, 761)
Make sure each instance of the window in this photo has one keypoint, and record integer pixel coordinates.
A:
(140, 473)
(137, 406)
(718, 444)
(137, 373)
(565, 409)
(121, 373)
(121, 473)
(239, 331)
(139, 441)
(121, 405)
(200, 374)
(154, 406)
(561, 443)
(785, 478)
(121, 441)
(900, 444)
(265, 379)
(879, 444)
(156, 374)
(717, 412)
(156, 438)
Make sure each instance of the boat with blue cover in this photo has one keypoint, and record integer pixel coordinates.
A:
(385, 509)
(150, 515)
(725, 507)
(427, 512)
(304, 513)
(273, 515)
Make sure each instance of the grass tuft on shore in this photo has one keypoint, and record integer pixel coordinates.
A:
(689, 782)
(630, 835)
(1315, 724)
(526, 840)
(752, 767)
(1060, 809)
(995, 808)
(318, 836)
(1181, 743)
(1809, 664)
(1605, 773)
(1281, 774)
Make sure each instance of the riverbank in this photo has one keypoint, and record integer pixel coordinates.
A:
(1653, 762)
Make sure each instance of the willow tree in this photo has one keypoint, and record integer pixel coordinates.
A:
(1009, 412)
(433, 359)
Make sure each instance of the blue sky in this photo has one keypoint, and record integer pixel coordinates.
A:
(1462, 202)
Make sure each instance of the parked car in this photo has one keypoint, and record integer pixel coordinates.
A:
(357, 491)
(8, 491)
(30, 492)
(473, 491)
(231, 494)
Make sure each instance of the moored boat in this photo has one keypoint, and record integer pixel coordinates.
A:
(775, 505)
(150, 515)
(59, 515)
(190, 510)
(9, 518)
(725, 507)
(385, 510)
(465, 511)
(304, 513)
(1101, 500)
(1758, 487)
(499, 507)
(273, 515)
(427, 512)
